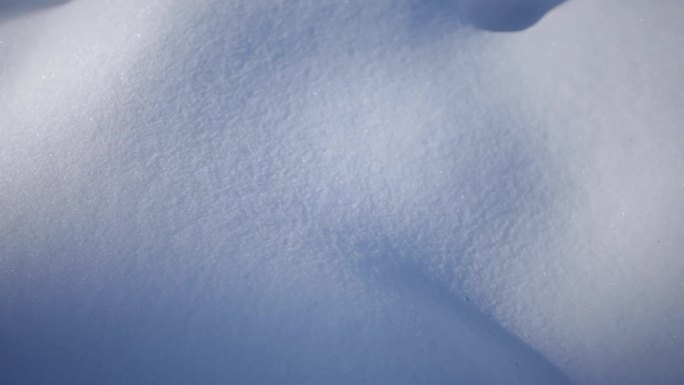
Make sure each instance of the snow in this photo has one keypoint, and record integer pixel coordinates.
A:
(385, 192)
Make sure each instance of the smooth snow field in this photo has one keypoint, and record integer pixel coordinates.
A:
(341, 192)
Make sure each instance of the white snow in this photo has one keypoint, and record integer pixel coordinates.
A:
(341, 192)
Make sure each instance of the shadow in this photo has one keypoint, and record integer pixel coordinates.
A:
(13, 8)
(19, 4)
(506, 15)
(489, 15)
(396, 269)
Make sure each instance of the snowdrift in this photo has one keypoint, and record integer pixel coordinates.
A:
(385, 192)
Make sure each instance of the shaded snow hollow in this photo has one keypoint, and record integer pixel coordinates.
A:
(341, 192)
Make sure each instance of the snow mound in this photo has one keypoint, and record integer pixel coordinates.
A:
(382, 192)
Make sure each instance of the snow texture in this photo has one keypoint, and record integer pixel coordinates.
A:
(341, 192)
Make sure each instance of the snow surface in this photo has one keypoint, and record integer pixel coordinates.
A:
(341, 192)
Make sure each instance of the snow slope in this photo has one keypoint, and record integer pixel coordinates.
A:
(378, 192)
